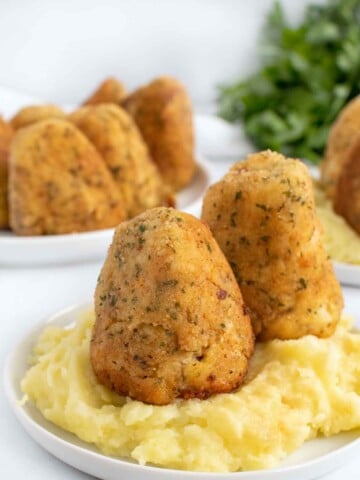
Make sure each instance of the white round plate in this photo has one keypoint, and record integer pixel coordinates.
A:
(313, 459)
(220, 140)
(347, 274)
(81, 247)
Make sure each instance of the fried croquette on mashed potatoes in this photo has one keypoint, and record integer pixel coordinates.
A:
(6, 134)
(262, 214)
(35, 113)
(295, 390)
(115, 136)
(170, 319)
(109, 91)
(344, 132)
(347, 190)
(58, 183)
(162, 110)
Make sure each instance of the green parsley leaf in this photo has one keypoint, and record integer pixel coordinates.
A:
(309, 73)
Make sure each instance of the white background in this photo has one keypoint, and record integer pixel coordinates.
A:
(58, 51)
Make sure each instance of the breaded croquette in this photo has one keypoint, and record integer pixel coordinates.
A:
(343, 134)
(162, 111)
(116, 137)
(6, 134)
(262, 214)
(109, 91)
(35, 113)
(347, 191)
(170, 319)
(58, 183)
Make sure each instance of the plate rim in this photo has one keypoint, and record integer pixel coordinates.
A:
(30, 425)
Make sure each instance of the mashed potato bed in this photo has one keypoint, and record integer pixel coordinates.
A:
(341, 241)
(311, 387)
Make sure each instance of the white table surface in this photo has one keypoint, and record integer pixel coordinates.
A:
(31, 294)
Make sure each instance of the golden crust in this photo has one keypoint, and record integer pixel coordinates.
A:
(58, 183)
(262, 214)
(109, 91)
(6, 134)
(35, 113)
(162, 111)
(170, 319)
(347, 191)
(342, 135)
(116, 137)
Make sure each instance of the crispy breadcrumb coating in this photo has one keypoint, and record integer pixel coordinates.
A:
(58, 183)
(347, 191)
(35, 113)
(109, 91)
(343, 134)
(262, 214)
(162, 110)
(6, 134)
(114, 134)
(170, 319)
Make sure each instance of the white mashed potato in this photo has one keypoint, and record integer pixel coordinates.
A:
(296, 390)
(341, 241)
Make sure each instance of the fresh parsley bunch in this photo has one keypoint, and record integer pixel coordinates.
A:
(309, 73)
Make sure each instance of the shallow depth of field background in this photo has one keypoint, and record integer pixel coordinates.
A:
(59, 50)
